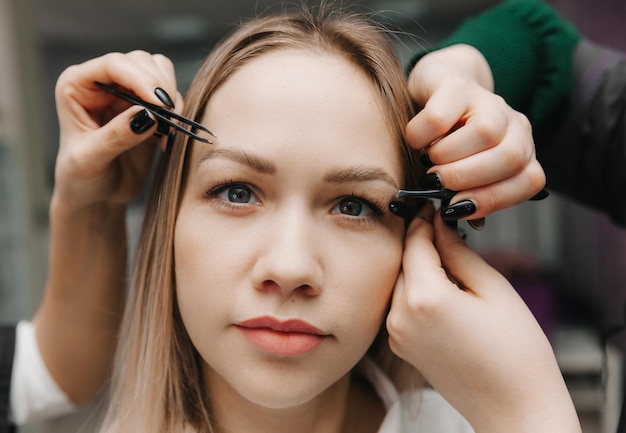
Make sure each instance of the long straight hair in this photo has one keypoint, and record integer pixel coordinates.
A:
(157, 382)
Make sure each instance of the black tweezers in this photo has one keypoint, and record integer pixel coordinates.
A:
(163, 115)
(447, 194)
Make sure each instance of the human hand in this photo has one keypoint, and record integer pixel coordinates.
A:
(476, 342)
(476, 143)
(101, 159)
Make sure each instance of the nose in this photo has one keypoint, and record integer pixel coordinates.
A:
(289, 260)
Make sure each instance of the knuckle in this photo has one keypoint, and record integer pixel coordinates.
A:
(436, 121)
(452, 178)
(518, 156)
(115, 137)
(488, 130)
(536, 176)
(138, 53)
(114, 56)
(524, 122)
(164, 60)
(424, 303)
(490, 202)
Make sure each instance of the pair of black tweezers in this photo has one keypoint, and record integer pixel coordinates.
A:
(163, 115)
(408, 211)
(447, 194)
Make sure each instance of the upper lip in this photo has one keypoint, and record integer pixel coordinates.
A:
(291, 325)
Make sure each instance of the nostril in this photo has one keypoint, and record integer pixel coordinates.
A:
(287, 290)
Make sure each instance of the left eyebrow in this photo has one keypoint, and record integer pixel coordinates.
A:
(360, 174)
(255, 162)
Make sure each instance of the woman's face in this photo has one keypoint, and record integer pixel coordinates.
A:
(286, 254)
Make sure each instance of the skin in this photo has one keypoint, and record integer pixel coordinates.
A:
(314, 135)
(479, 344)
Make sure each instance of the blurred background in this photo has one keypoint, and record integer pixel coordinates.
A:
(568, 262)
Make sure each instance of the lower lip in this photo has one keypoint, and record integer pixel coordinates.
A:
(282, 343)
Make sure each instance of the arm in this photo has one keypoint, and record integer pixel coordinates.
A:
(585, 154)
(529, 50)
(101, 166)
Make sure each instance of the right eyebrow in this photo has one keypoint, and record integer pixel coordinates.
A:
(257, 163)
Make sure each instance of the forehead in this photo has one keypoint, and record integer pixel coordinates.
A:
(300, 98)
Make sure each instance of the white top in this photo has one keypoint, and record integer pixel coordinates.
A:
(424, 410)
(36, 396)
(34, 393)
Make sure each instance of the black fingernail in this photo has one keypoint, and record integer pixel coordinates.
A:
(478, 223)
(425, 160)
(402, 209)
(431, 181)
(458, 210)
(141, 122)
(540, 195)
(164, 97)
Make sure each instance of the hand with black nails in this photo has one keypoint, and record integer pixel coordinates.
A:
(449, 310)
(105, 155)
(472, 141)
(106, 143)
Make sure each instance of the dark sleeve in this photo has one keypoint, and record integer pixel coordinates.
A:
(7, 349)
(584, 152)
(529, 48)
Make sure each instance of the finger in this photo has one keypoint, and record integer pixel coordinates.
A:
(421, 260)
(505, 193)
(511, 156)
(464, 266)
(119, 135)
(76, 83)
(167, 69)
(442, 113)
(163, 68)
(482, 131)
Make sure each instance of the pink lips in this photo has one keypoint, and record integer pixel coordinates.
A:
(288, 338)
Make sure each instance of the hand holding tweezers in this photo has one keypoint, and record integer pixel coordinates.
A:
(163, 115)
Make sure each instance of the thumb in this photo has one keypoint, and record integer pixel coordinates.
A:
(125, 131)
(421, 261)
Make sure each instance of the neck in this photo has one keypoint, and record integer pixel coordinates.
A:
(348, 406)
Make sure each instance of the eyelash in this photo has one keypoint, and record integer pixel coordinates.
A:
(375, 206)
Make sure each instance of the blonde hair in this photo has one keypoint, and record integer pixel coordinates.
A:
(157, 384)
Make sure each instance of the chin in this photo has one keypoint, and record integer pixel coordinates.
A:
(280, 387)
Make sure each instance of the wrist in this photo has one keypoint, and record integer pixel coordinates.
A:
(101, 216)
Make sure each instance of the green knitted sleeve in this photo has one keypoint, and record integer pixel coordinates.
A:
(529, 48)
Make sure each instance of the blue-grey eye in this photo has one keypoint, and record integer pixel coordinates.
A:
(351, 207)
(355, 207)
(238, 195)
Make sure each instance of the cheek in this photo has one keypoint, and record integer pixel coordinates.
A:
(200, 272)
(374, 274)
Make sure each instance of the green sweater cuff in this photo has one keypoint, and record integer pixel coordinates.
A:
(529, 48)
